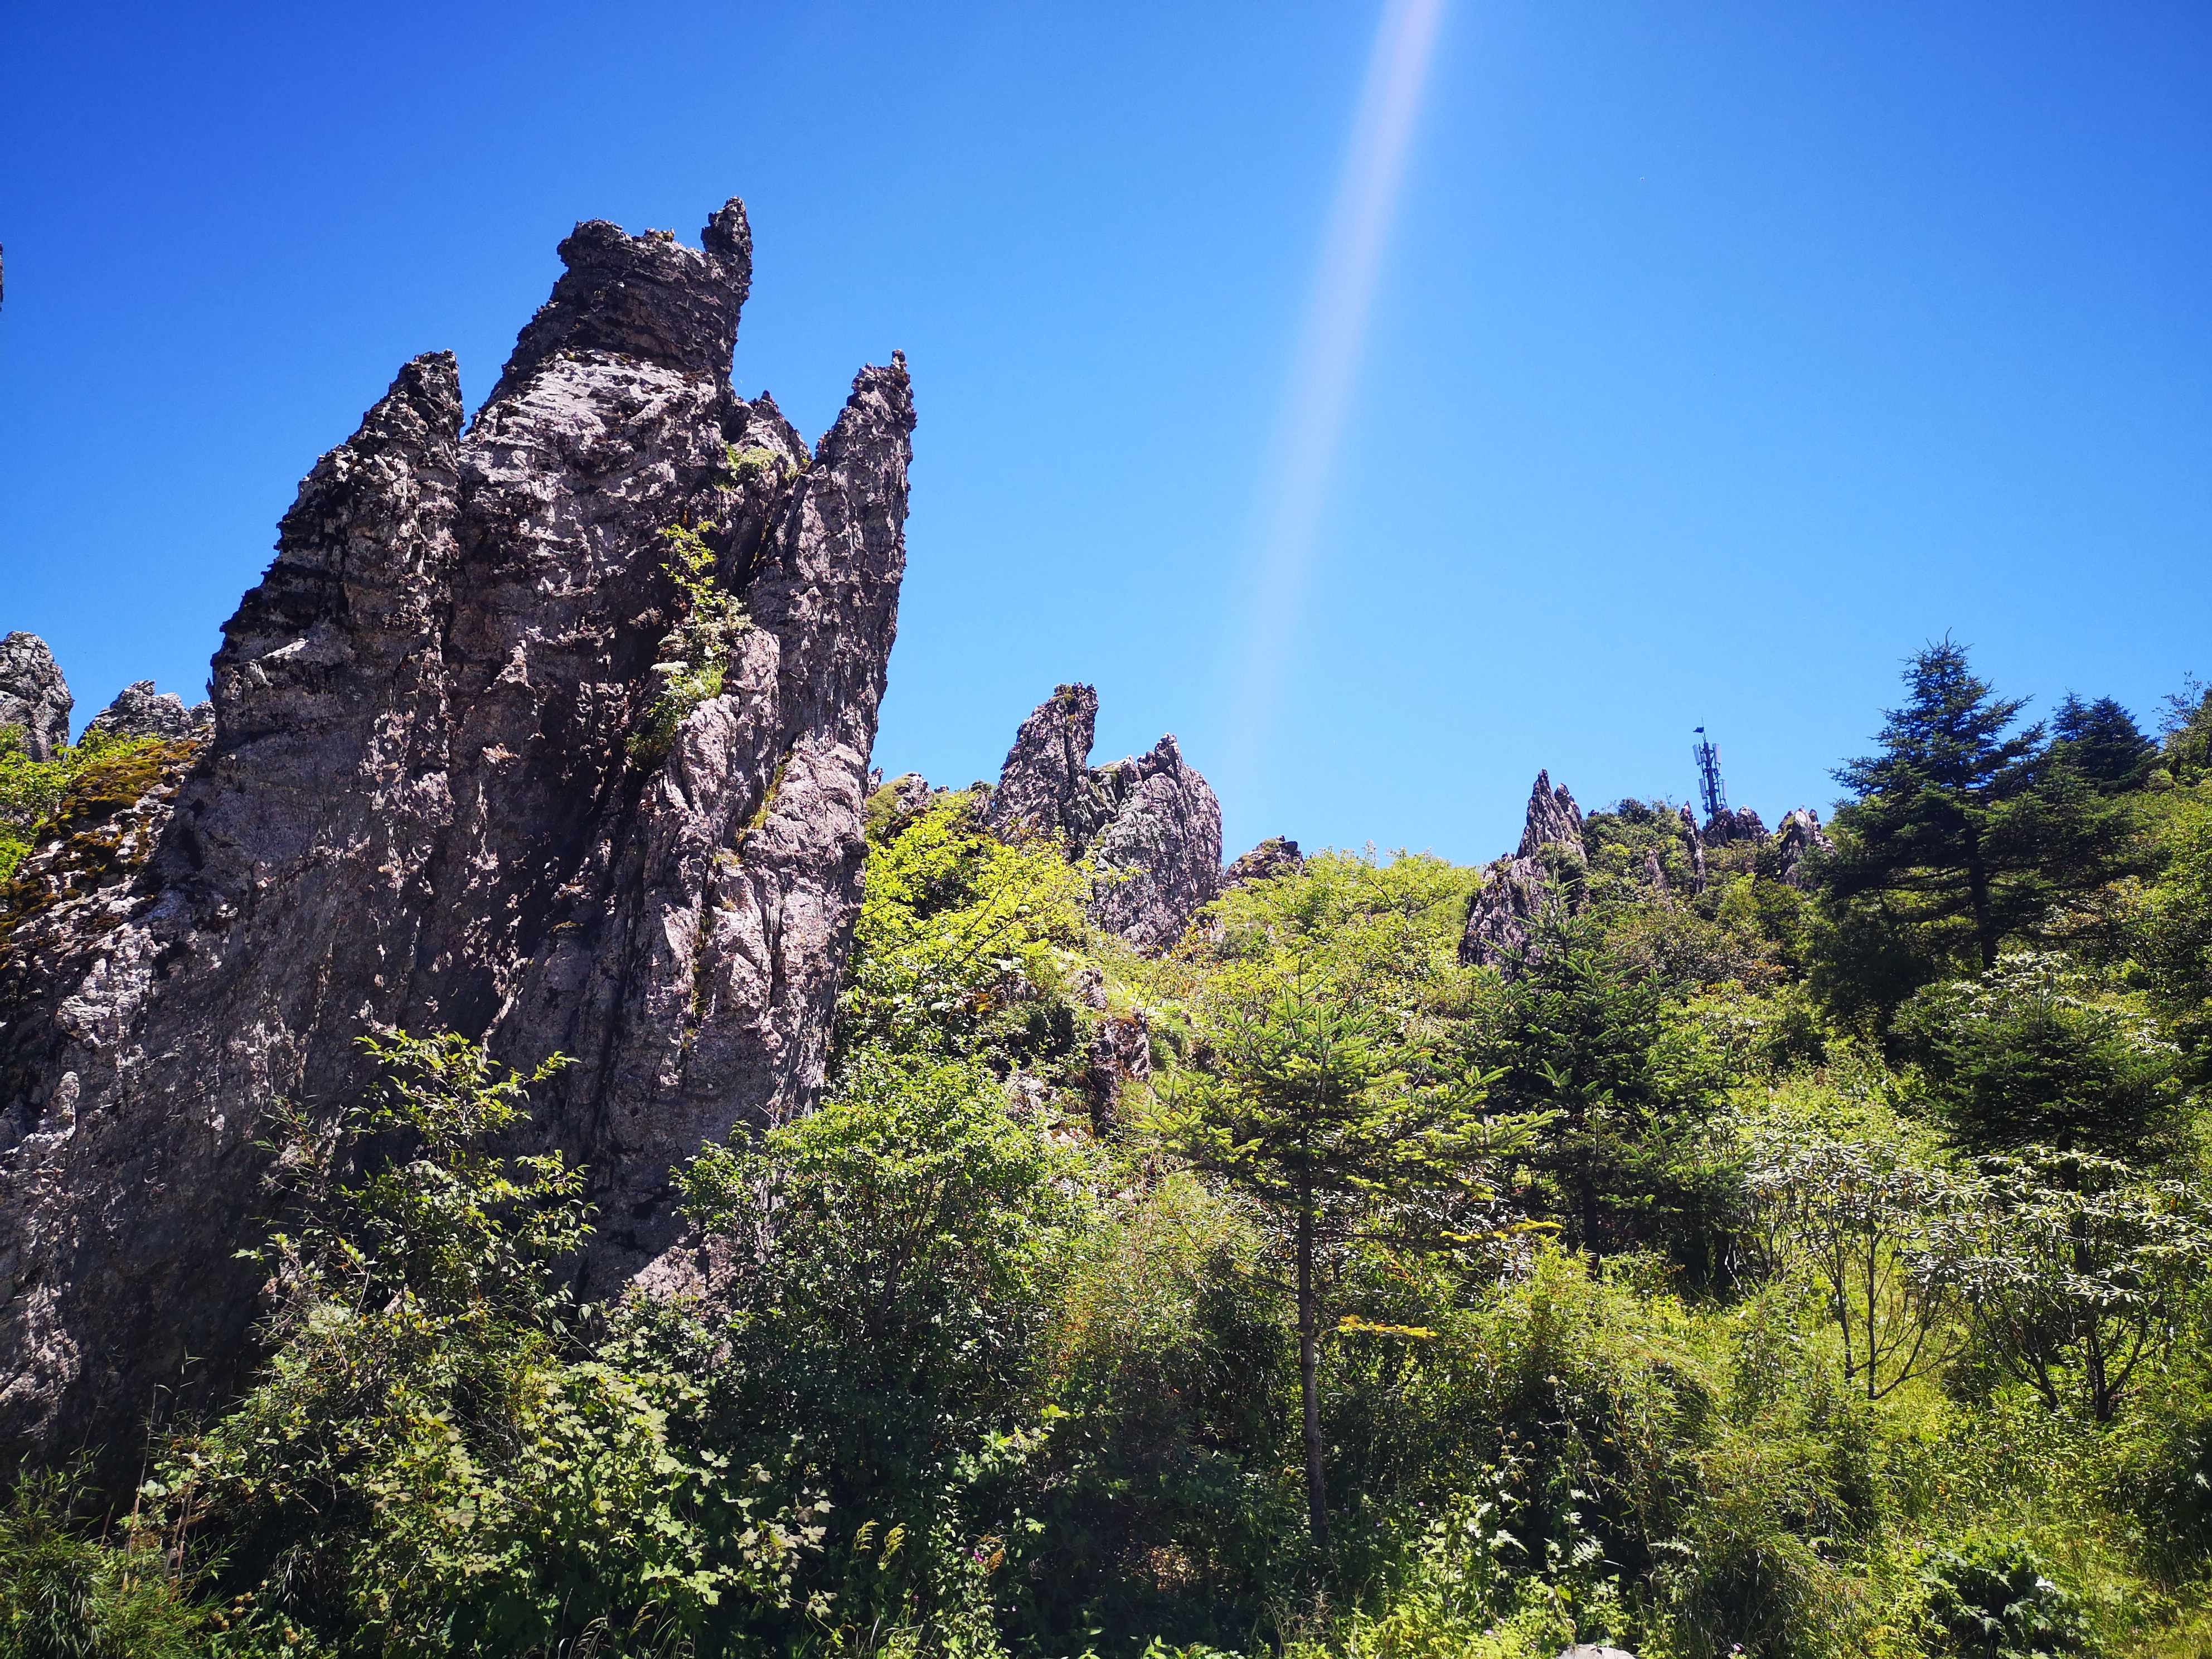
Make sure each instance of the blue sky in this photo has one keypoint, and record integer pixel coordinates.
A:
(1718, 354)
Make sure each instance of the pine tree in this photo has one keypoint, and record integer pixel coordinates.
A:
(2101, 741)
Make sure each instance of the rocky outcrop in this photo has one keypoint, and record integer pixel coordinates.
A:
(1693, 848)
(1800, 834)
(1516, 890)
(1726, 826)
(140, 711)
(1158, 858)
(1553, 820)
(1151, 825)
(1272, 857)
(34, 699)
(433, 799)
(1047, 787)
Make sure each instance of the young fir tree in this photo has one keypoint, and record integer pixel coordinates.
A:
(1311, 1109)
(1967, 829)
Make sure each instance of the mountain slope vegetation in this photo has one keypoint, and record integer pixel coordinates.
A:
(1785, 1267)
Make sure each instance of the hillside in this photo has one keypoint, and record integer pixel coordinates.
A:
(514, 1139)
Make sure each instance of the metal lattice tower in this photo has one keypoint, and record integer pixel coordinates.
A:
(1709, 786)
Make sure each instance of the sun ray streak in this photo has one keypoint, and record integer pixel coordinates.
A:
(1301, 455)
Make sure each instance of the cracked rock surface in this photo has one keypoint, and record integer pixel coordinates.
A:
(422, 804)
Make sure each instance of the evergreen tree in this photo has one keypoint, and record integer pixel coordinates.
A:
(2101, 741)
(1967, 830)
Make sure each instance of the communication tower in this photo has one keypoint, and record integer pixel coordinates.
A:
(1709, 786)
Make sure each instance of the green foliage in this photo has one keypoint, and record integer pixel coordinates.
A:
(1966, 832)
(423, 1466)
(2077, 1271)
(67, 1593)
(960, 945)
(1991, 1601)
(74, 791)
(695, 654)
(2037, 1051)
(1598, 1030)
(1656, 1293)
(1322, 1105)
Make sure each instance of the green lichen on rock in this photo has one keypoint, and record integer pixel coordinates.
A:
(67, 825)
(695, 652)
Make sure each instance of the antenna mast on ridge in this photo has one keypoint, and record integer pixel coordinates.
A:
(1709, 775)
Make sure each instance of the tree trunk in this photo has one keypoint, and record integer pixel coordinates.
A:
(1309, 1377)
(1977, 894)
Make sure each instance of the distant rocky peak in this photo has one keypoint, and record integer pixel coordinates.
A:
(1741, 824)
(1553, 820)
(646, 297)
(140, 711)
(1150, 823)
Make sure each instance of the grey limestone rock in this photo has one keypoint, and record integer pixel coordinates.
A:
(1553, 820)
(1517, 890)
(140, 711)
(1728, 825)
(1693, 843)
(1158, 858)
(1046, 787)
(1121, 1054)
(1800, 834)
(1151, 824)
(1275, 856)
(34, 698)
(421, 806)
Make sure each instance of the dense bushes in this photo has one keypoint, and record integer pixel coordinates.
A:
(1754, 1270)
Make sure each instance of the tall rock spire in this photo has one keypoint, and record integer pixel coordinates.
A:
(427, 803)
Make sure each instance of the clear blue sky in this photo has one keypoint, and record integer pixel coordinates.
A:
(1720, 354)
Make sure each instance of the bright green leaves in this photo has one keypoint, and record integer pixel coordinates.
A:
(695, 654)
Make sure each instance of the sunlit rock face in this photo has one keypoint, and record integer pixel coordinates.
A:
(34, 698)
(1149, 824)
(1516, 890)
(423, 803)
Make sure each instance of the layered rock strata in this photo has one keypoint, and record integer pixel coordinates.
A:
(1149, 824)
(439, 794)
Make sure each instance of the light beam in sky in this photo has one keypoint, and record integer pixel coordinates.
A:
(1317, 395)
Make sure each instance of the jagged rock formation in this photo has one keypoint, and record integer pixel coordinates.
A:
(1800, 834)
(1553, 820)
(140, 711)
(1516, 890)
(1275, 856)
(1046, 787)
(1151, 824)
(1741, 824)
(1693, 844)
(430, 800)
(34, 698)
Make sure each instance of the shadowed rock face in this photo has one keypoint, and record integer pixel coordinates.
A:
(421, 806)
(1151, 824)
(34, 699)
